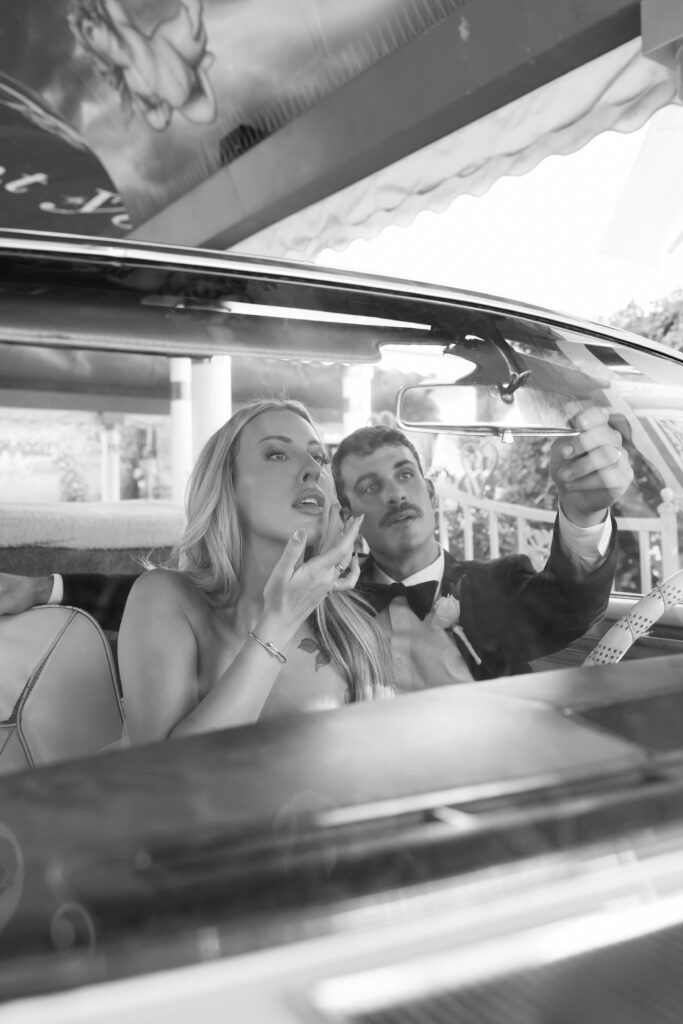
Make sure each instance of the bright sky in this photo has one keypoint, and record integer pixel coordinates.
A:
(534, 238)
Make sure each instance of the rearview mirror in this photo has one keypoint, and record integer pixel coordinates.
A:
(485, 409)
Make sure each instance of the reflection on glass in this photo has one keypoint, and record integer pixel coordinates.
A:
(438, 407)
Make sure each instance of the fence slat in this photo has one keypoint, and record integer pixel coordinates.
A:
(494, 538)
(467, 528)
(522, 535)
(645, 561)
(666, 527)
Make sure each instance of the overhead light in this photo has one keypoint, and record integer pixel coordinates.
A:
(280, 312)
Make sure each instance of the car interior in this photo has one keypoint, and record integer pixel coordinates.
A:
(100, 336)
(406, 822)
(104, 349)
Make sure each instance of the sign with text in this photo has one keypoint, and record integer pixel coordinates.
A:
(112, 109)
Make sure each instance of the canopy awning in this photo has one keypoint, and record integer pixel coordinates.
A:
(618, 91)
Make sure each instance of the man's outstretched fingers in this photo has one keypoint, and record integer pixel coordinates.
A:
(596, 459)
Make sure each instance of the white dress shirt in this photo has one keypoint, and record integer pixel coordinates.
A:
(57, 594)
(424, 654)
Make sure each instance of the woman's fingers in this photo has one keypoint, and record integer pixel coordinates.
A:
(292, 556)
(295, 588)
(333, 529)
(342, 550)
(326, 571)
(350, 577)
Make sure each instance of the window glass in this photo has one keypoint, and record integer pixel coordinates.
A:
(81, 426)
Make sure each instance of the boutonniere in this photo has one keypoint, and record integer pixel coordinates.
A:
(446, 612)
(446, 615)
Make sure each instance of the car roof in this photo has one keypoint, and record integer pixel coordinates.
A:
(20, 241)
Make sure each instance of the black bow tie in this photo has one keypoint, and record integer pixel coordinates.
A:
(420, 596)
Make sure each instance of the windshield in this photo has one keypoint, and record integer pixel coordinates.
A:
(329, 807)
(82, 427)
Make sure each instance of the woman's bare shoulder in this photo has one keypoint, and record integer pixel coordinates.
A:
(166, 585)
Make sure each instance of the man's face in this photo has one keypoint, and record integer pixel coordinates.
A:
(389, 489)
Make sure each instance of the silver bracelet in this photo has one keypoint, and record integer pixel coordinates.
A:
(267, 646)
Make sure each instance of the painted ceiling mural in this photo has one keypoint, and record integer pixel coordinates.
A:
(111, 109)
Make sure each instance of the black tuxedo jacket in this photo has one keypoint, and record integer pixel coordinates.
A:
(511, 614)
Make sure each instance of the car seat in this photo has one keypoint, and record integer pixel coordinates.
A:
(59, 691)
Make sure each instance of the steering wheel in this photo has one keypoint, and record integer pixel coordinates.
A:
(637, 621)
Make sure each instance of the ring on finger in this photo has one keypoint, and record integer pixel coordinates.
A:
(341, 569)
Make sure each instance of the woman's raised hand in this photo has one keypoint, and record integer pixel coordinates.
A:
(296, 587)
(346, 565)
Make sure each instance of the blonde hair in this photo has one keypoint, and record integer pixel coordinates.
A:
(210, 555)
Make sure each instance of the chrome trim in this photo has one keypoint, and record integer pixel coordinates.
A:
(48, 242)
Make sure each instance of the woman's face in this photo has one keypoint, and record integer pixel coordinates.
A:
(281, 478)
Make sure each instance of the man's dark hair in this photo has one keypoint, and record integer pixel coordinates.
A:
(365, 441)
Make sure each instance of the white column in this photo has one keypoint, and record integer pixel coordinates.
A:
(356, 396)
(180, 374)
(110, 474)
(211, 398)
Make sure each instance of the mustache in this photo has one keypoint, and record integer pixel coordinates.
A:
(392, 515)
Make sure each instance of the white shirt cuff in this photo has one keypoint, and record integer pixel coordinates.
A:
(585, 546)
(57, 595)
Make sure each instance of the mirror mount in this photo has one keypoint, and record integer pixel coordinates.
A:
(517, 380)
(496, 362)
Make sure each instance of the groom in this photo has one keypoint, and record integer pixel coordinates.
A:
(472, 620)
(458, 621)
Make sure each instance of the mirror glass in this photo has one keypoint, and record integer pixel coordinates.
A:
(485, 408)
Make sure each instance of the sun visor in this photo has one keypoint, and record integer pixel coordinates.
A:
(53, 321)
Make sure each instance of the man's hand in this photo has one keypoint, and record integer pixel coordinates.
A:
(17, 593)
(591, 471)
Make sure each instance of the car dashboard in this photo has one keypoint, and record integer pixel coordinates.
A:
(499, 851)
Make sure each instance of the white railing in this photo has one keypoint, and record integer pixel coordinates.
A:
(533, 529)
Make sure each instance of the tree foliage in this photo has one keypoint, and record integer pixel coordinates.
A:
(662, 322)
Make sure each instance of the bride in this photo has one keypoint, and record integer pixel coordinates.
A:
(259, 618)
